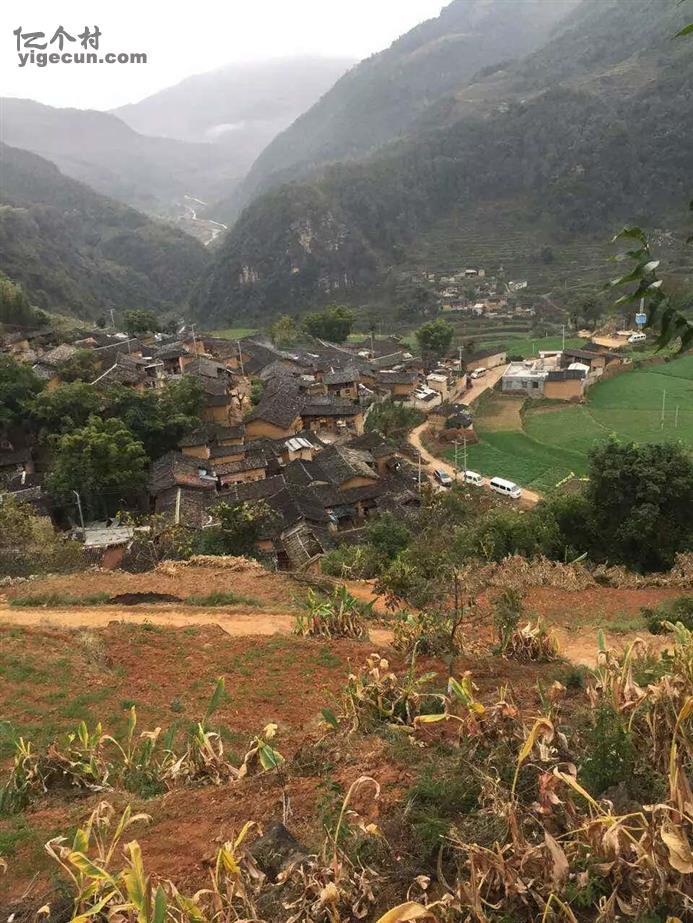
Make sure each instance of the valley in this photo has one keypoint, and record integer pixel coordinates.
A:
(346, 467)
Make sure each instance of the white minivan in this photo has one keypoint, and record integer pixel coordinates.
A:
(507, 488)
(639, 337)
(478, 373)
(471, 477)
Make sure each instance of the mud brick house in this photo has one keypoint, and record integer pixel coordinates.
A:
(183, 488)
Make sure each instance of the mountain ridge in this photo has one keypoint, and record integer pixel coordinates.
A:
(79, 252)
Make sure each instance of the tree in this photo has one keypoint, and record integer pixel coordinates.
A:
(642, 503)
(284, 332)
(66, 407)
(241, 525)
(393, 419)
(103, 461)
(158, 419)
(81, 366)
(18, 386)
(333, 324)
(139, 322)
(435, 337)
(15, 308)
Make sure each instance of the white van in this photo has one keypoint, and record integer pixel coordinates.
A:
(507, 488)
(639, 337)
(478, 373)
(471, 477)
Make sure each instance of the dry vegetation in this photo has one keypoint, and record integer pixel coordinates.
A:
(151, 773)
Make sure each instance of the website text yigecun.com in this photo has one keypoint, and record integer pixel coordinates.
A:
(35, 48)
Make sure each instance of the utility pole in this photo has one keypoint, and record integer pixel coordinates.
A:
(676, 417)
(79, 509)
(192, 329)
(456, 468)
(460, 348)
(240, 357)
(419, 472)
(464, 443)
(664, 399)
(112, 319)
(563, 337)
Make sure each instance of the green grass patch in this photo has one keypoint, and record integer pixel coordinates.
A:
(528, 346)
(234, 333)
(222, 599)
(58, 600)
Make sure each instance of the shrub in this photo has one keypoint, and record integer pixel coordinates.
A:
(507, 611)
(355, 562)
(337, 616)
(609, 751)
(422, 633)
(679, 609)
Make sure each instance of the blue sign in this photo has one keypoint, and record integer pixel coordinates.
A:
(641, 319)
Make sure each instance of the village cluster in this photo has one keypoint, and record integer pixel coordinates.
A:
(286, 426)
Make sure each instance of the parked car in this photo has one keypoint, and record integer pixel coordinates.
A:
(638, 337)
(443, 478)
(472, 477)
(507, 488)
(478, 373)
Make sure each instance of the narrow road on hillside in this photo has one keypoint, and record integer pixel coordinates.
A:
(466, 396)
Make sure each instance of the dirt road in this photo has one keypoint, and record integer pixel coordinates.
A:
(529, 497)
(235, 623)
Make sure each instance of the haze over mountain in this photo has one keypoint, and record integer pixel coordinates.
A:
(381, 98)
(590, 130)
(242, 105)
(197, 138)
(81, 253)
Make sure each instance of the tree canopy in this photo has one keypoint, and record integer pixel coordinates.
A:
(103, 461)
(333, 324)
(435, 337)
(18, 386)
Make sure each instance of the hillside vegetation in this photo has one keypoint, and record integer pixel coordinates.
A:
(79, 252)
(587, 133)
(382, 98)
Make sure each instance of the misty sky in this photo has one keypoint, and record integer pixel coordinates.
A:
(183, 38)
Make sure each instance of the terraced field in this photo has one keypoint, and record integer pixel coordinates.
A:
(539, 444)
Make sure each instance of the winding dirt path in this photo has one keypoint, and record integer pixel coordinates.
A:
(529, 497)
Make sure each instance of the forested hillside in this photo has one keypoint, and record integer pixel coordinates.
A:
(589, 132)
(381, 98)
(78, 252)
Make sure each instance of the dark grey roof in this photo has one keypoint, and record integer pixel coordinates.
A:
(176, 469)
(253, 490)
(396, 377)
(373, 442)
(343, 376)
(567, 375)
(249, 463)
(327, 407)
(340, 463)
(279, 406)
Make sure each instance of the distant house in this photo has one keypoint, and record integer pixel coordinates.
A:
(486, 359)
(342, 383)
(326, 415)
(438, 382)
(277, 416)
(598, 359)
(252, 467)
(399, 383)
(135, 372)
(182, 488)
(537, 379)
